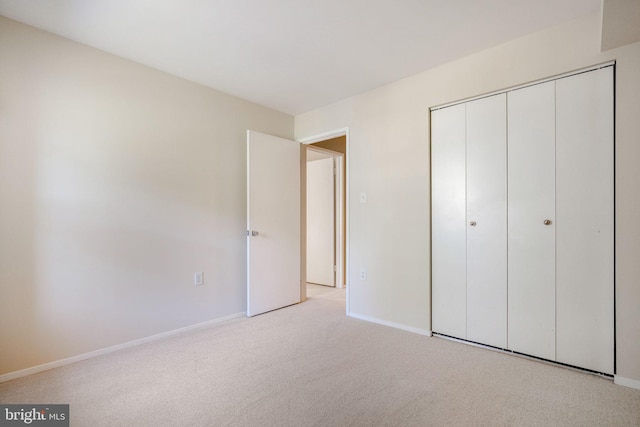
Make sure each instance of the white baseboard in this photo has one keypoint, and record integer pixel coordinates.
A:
(627, 382)
(57, 363)
(391, 324)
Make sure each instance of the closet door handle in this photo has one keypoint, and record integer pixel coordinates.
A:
(547, 222)
(473, 223)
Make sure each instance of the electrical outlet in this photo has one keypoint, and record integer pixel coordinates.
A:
(198, 278)
(363, 274)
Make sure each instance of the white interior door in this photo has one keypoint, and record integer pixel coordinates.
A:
(274, 255)
(487, 220)
(448, 222)
(531, 230)
(585, 263)
(320, 221)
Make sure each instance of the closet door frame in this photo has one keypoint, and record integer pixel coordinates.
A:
(608, 367)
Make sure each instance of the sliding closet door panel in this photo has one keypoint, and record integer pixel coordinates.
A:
(531, 212)
(487, 221)
(584, 226)
(448, 231)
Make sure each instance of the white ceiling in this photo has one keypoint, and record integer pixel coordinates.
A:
(293, 55)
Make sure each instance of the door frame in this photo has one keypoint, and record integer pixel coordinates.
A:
(310, 139)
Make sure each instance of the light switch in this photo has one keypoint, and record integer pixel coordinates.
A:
(363, 197)
(198, 278)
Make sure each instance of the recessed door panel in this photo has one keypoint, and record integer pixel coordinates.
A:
(487, 221)
(584, 225)
(531, 215)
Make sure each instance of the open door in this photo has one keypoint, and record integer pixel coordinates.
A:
(321, 229)
(275, 273)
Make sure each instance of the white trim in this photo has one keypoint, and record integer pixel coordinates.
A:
(347, 219)
(329, 153)
(338, 163)
(412, 329)
(627, 382)
(248, 310)
(80, 357)
(324, 136)
(532, 83)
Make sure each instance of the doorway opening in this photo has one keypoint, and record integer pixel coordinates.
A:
(327, 157)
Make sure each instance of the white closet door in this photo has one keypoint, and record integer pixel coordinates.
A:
(531, 244)
(448, 230)
(487, 221)
(584, 226)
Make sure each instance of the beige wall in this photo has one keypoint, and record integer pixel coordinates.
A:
(117, 183)
(389, 159)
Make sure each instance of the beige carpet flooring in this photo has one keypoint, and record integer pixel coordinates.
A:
(310, 365)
